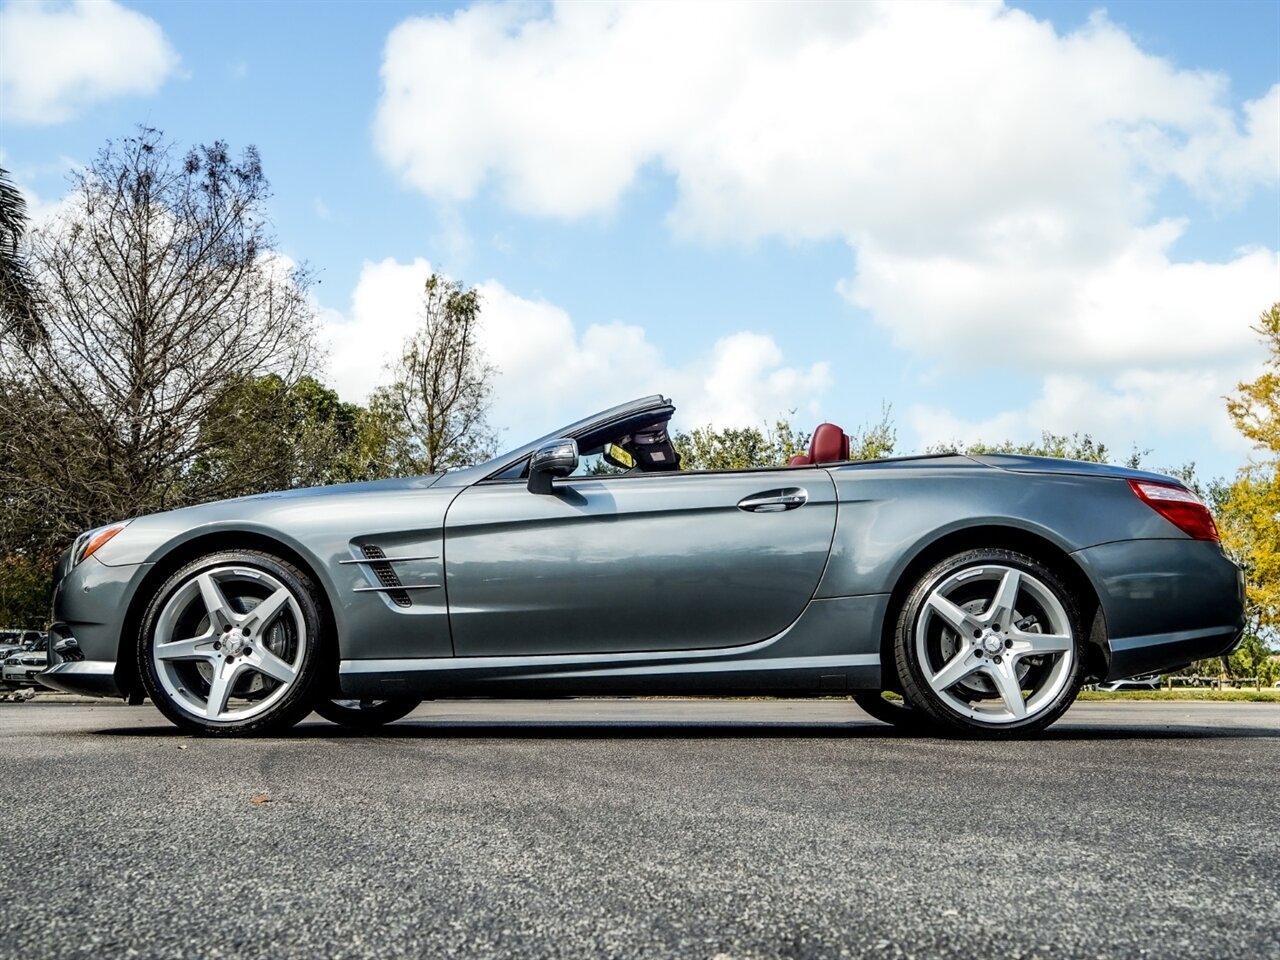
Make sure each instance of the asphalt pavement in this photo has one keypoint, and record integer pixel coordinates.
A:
(723, 830)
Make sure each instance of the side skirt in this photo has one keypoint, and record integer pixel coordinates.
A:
(831, 648)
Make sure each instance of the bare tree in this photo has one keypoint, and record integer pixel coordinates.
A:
(442, 383)
(160, 293)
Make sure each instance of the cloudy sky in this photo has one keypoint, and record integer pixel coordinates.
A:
(997, 219)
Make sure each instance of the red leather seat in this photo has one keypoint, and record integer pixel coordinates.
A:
(829, 445)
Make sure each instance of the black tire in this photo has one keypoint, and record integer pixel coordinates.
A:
(369, 713)
(962, 708)
(896, 712)
(285, 702)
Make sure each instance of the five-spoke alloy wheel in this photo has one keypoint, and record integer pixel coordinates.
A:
(987, 643)
(230, 644)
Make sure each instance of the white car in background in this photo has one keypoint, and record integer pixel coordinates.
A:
(22, 666)
(11, 641)
(1147, 681)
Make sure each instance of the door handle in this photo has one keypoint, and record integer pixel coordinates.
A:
(775, 501)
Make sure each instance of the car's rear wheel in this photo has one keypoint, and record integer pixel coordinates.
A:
(365, 713)
(230, 644)
(987, 644)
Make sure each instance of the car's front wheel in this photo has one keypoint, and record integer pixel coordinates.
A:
(230, 644)
(987, 644)
(365, 713)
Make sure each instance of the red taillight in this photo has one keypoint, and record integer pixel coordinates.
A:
(1179, 506)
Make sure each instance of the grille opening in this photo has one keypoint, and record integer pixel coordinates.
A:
(386, 575)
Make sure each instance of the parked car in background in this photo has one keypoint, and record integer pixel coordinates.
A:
(13, 640)
(21, 666)
(1147, 681)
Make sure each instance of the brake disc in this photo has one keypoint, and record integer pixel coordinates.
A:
(978, 686)
(253, 685)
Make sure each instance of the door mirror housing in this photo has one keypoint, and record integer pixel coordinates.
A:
(556, 458)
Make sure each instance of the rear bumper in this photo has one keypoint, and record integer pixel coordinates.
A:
(1166, 603)
(1165, 652)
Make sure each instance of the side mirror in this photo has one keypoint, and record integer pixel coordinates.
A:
(558, 458)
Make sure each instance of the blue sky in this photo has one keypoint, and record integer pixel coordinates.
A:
(997, 220)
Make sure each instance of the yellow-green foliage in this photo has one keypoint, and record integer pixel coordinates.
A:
(1256, 407)
(1249, 512)
(1249, 521)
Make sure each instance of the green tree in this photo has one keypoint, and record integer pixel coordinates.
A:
(1248, 508)
(874, 441)
(738, 448)
(18, 298)
(24, 590)
(1255, 408)
(266, 434)
(434, 414)
(1076, 446)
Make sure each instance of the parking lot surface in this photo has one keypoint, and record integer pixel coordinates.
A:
(642, 828)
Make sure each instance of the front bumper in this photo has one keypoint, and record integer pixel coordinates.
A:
(69, 671)
(92, 678)
(89, 606)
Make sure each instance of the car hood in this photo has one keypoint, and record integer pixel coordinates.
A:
(259, 504)
(148, 535)
(343, 489)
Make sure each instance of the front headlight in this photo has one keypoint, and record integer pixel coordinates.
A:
(90, 543)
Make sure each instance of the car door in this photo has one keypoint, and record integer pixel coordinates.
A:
(635, 562)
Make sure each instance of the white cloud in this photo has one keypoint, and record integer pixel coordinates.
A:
(452, 239)
(1013, 305)
(1134, 405)
(551, 372)
(384, 312)
(58, 58)
(912, 122)
(995, 181)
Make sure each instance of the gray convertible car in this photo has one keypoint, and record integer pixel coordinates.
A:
(982, 591)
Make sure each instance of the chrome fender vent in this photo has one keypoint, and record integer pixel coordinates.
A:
(386, 575)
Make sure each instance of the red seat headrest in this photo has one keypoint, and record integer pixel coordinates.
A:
(829, 444)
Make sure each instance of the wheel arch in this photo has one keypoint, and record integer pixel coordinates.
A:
(127, 675)
(1004, 537)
